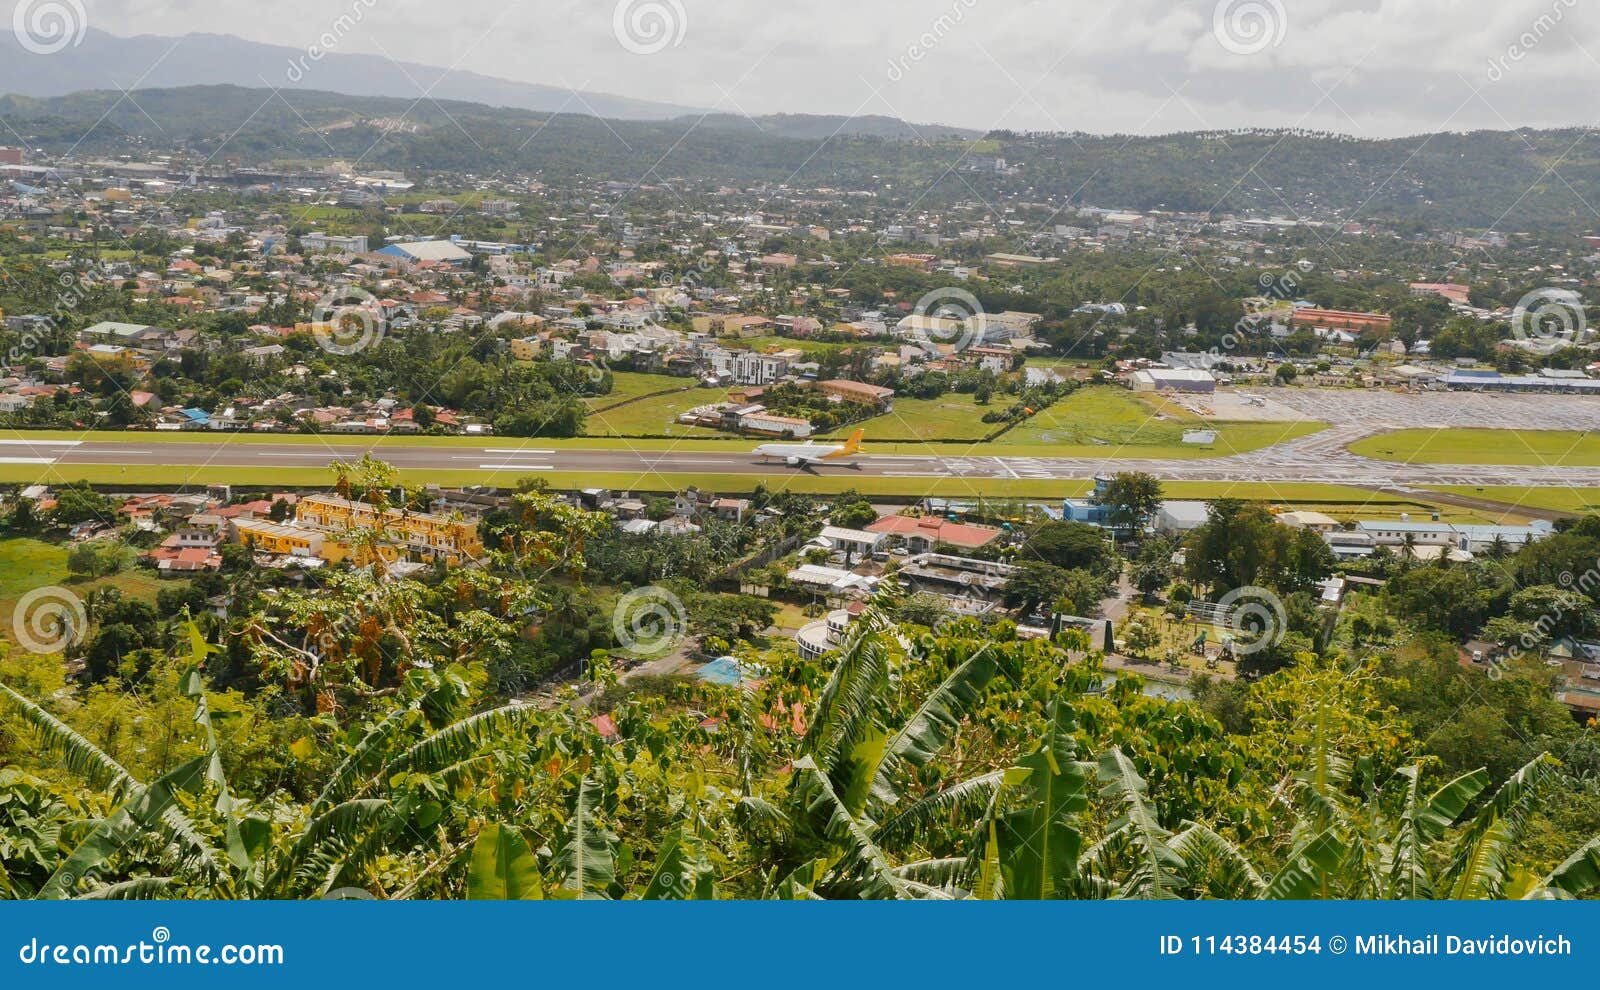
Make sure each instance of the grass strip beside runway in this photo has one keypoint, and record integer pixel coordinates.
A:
(1535, 448)
(170, 476)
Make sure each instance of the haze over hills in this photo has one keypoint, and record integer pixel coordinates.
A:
(106, 61)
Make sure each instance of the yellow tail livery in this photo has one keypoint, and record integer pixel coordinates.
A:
(852, 445)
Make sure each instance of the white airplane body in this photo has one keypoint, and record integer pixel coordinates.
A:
(810, 453)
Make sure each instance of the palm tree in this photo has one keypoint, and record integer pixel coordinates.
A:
(849, 826)
(1409, 843)
(147, 844)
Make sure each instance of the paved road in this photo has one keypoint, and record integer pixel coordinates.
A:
(1317, 458)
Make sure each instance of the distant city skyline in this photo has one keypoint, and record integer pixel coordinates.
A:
(1370, 68)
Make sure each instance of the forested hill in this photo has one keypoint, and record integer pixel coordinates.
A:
(1507, 181)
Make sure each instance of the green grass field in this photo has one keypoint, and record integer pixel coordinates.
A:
(1579, 501)
(1108, 421)
(1333, 499)
(27, 564)
(951, 417)
(627, 385)
(656, 415)
(1550, 448)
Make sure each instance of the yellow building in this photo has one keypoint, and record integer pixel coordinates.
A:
(731, 325)
(263, 536)
(526, 348)
(423, 534)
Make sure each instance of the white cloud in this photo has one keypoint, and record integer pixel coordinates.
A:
(1373, 66)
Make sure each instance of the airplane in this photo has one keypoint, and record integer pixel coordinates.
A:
(811, 453)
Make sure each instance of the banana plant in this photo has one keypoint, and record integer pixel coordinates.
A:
(186, 834)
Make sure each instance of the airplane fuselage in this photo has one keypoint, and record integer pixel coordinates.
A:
(800, 453)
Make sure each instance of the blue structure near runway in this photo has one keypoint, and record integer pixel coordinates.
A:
(1089, 510)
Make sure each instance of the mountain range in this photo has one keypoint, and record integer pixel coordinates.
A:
(213, 96)
(111, 62)
(108, 61)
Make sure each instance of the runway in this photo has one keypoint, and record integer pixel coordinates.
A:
(1315, 459)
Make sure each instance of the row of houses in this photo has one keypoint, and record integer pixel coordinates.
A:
(326, 528)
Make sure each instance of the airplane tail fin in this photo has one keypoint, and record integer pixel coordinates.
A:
(853, 445)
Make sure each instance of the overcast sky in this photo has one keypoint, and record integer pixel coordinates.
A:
(1371, 67)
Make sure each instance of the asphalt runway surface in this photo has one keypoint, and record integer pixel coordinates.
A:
(1320, 458)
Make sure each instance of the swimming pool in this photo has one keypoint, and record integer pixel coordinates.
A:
(723, 670)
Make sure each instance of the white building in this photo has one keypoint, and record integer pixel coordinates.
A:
(1190, 380)
(355, 244)
(817, 638)
(1179, 517)
(857, 543)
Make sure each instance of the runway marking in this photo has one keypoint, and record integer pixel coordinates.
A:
(40, 443)
(516, 467)
(510, 450)
(27, 460)
(687, 460)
